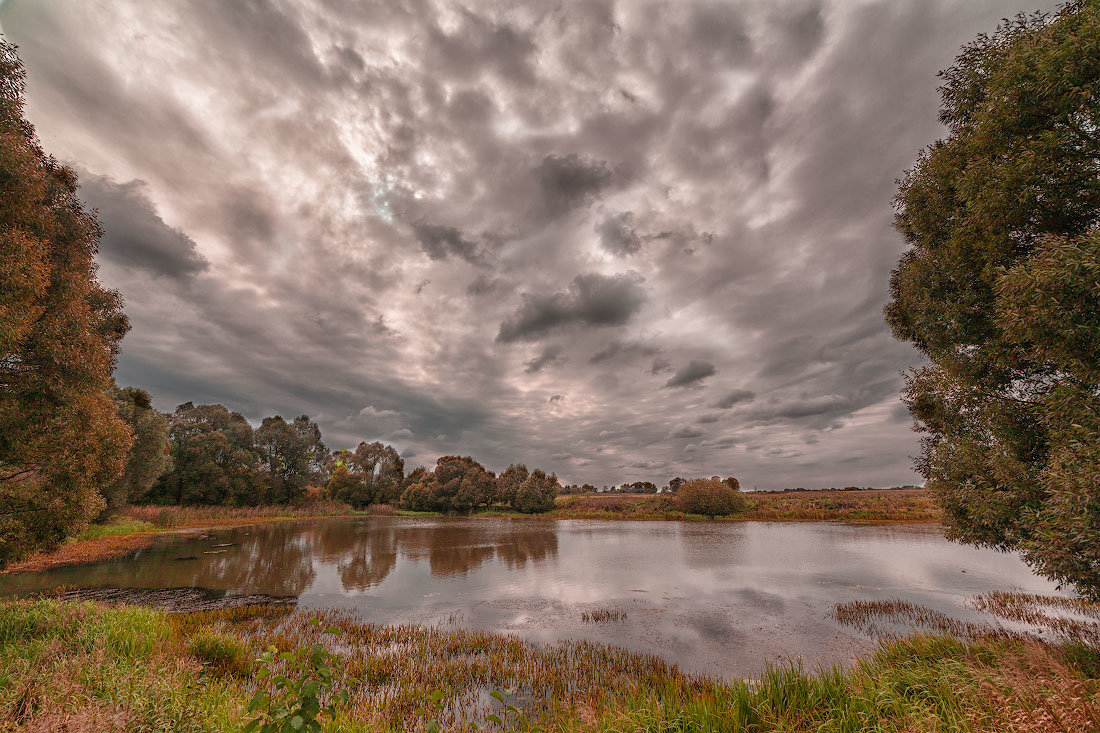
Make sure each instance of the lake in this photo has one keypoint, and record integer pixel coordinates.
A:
(722, 598)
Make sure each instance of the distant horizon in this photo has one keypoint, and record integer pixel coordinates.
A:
(616, 243)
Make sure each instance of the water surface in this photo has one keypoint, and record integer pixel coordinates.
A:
(721, 598)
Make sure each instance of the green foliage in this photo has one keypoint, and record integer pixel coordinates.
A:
(148, 457)
(709, 497)
(285, 456)
(373, 474)
(300, 679)
(536, 493)
(509, 481)
(214, 459)
(458, 484)
(1000, 291)
(61, 438)
(220, 652)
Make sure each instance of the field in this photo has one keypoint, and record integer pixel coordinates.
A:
(871, 505)
(87, 667)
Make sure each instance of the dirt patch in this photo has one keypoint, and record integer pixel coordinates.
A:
(178, 600)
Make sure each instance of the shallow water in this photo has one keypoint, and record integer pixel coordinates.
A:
(721, 598)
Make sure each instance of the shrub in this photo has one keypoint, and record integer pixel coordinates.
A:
(537, 493)
(219, 652)
(346, 486)
(710, 497)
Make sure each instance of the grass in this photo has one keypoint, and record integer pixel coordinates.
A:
(872, 505)
(79, 666)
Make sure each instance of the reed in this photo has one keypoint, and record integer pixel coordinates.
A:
(78, 666)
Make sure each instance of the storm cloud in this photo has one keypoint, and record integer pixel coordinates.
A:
(591, 300)
(621, 241)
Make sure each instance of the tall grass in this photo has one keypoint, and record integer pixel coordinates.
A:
(78, 666)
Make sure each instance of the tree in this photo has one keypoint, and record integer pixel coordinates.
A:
(343, 485)
(536, 493)
(732, 482)
(710, 497)
(214, 460)
(318, 454)
(376, 475)
(149, 456)
(675, 484)
(61, 438)
(999, 291)
(458, 484)
(509, 481)
(285, 455)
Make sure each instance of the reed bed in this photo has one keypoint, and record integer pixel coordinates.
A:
(398, 667)
(602, 615)
(83, 667)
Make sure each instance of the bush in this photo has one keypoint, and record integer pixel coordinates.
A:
(537, 493)
(348, 487)
(710, 497)
(221, 653)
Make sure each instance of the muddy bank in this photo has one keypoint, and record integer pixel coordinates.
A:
(179, 600)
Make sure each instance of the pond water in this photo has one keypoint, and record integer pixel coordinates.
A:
(721, 598)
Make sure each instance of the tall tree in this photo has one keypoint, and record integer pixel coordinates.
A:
(148, 457)
(373, 474)
(999, 291)
(318, 453)
(214, 460)
(285, 455)
(61, 438)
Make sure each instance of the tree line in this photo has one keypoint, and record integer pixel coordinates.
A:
(206, 454)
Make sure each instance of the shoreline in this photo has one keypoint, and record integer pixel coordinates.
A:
(138, 527)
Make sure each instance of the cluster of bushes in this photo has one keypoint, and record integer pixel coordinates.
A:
(461, 484)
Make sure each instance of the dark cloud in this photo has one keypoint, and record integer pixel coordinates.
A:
(439, 242)
(570, 180)
(692, 373)
(660, 364)
(592, 300)
(549, 355)
(621, 350)
(735, 397)
(134, 235)
(687, 432)
(617, 234)
(293, 195)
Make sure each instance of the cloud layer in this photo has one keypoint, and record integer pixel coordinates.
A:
(620, 241)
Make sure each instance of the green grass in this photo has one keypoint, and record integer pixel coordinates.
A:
(116, 527)
(89, 667)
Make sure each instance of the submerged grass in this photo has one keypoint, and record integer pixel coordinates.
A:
(79, 666)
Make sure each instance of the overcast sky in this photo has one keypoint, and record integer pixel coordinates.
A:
(620, 241)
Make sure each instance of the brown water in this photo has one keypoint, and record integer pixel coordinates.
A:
(721, 598)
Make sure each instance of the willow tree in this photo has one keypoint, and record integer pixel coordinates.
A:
(61, 437)
(1001, 291)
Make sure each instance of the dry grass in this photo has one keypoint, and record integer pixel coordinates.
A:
(872, 505)
(78, 666)
(603, 615)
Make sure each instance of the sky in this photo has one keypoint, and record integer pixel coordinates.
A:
(620, 241)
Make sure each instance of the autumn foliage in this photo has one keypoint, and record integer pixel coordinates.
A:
(61, 437)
